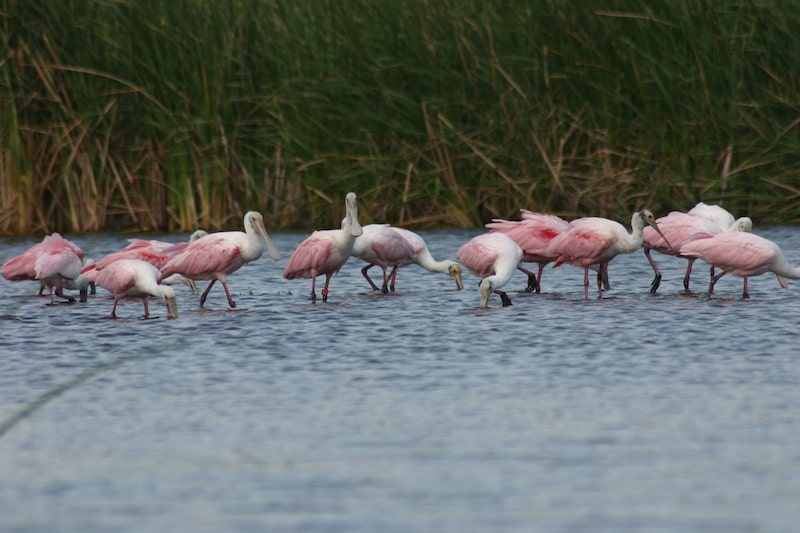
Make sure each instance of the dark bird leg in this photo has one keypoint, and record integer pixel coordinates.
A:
(366, 276)
(657, 279)
(503, 298)
(533, 286)
(205, 293)
(688, 273)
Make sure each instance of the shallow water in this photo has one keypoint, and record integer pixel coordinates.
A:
(412, 411)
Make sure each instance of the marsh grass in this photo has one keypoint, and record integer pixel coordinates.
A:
(150, 115)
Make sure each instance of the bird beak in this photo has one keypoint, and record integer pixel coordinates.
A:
(655, 227)
(455, 272)
(172, 307)
(351, 210)
(486, 292)
(272, 251)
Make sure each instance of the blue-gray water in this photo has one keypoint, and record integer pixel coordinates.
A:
(413, 411)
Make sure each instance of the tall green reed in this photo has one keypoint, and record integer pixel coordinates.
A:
(175, 115)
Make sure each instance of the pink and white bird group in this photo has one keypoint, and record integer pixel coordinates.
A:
(145, 268)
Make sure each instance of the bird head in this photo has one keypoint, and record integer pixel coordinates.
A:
(171, 302)
(351, 215)
(487, 287)
(646, 218)
(454, 270)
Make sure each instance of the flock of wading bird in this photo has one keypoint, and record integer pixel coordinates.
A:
(146, 268)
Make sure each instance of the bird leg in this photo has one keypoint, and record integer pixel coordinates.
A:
(586, 282)
(313, 289)
(366, 276)
(714, 281)
(745, 294)
(205, 293)
(114, 309)
(146, 308)
(688, 273)
(657, 279)
(385, 286)
(325, 289)
(503, 298)
(533, 286)
(392, 278)
(539, 277)
(601, 279)
(228, 294)
(606, 283)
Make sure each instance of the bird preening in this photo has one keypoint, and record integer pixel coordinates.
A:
(146, 269)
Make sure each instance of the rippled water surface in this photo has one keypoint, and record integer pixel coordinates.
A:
(413, 411)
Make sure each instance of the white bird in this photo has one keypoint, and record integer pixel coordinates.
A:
(493, 257)
(134, 278)
(424, 258)
(217, 255)
(325, 251)
(596, 241)
(381, 245)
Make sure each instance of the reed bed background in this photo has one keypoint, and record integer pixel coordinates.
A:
(149, 115)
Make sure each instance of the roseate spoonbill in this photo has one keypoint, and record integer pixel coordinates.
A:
(533, 234)
(21, 267)
(134, 278)
(325, 251)
(679, 228)
(493, 257)
(381, 245)
(217, 255)
(596, 241)
(152, 251)
(741, 254)
(56, 264)
(423, 258)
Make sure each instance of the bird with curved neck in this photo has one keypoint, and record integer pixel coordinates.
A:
(135, 278)
(741, 254)
(596, 241)
(533, 234)
(216, 255)
(325, 251)
(424, 258)
(493, 257)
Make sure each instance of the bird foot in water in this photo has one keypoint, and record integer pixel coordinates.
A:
(504, 298)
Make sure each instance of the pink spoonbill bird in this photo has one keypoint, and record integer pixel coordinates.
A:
(533, 234)
(424, 258)
(493, 257)
(741, 254)
(22, 266)
(596, 241)
(381, 245)
(217, 255)
(678, 228)
(152, 251)
(134, 278)
(325, 251)
(57, 264)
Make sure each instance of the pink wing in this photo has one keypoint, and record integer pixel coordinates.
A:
(580, 245)
(478, 257)
(677, 228)
(207, 255)
(742, 254)
(116, 278)
(311, 255)
(142, 253)
(391, 247)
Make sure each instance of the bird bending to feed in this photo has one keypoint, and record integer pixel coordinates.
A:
(423, 258)
(325, 251)
(57, 264)
(23, 267)
(493, 257)
(217, 255)
(741, 254)
(678, 228)
(381, 245)
(533, 234)
(134, 278)
(596, 241)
